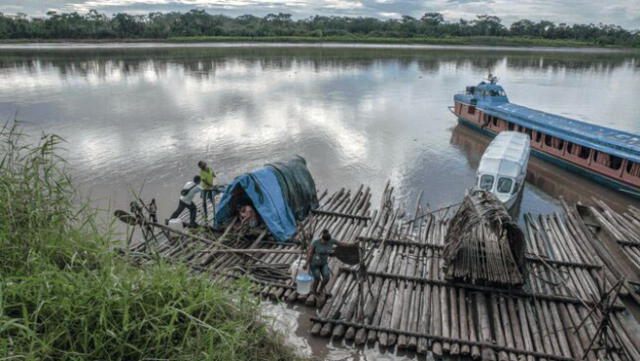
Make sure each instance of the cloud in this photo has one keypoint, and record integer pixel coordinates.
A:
(469, 1)
(343, 4)
(621, 12)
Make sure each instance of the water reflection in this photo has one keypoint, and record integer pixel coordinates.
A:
(359, 115)
(204, 62)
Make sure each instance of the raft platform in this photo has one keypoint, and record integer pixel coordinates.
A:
(579, 302)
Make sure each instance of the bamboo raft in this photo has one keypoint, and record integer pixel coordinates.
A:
(399, 296)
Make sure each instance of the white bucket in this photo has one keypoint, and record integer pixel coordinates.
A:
(176, 224)
(296, 268)
(303, 283)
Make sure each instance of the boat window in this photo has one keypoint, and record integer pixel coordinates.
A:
(515, 188)
(584, 152)
(504, 184)
(559, 143)
(486, 182)
(494, 93)
(570, 148)
(615, 162)
(633, 168)
(529, 132)
(471, 110)
(510, 125)
(502, 93)
(494, 120)
(548, 140)
(601, 158)
(538, 137)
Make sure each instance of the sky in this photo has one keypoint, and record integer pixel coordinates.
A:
(625, 13)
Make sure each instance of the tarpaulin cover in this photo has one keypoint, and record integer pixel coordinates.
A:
(297, 185)
(280, 193)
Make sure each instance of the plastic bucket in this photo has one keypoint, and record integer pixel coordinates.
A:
(303, 283)
(176, 224)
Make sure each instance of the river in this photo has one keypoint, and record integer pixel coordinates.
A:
(139, 117)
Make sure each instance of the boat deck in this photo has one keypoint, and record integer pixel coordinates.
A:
(400, 298)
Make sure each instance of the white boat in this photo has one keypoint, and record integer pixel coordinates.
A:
(503, 166)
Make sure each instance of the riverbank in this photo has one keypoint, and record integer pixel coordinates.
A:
(516, 42)
(471, 40)
(64, 293)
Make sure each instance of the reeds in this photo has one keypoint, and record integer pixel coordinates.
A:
(64, 295)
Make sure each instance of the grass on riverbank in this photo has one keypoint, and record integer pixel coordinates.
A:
(65, 296)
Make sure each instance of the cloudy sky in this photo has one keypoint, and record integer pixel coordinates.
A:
(621, 12)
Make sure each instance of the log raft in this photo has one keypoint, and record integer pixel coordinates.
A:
(400, 298)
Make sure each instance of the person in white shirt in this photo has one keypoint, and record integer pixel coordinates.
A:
(187, 193)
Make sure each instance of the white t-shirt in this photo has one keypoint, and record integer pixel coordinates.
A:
(188, 199)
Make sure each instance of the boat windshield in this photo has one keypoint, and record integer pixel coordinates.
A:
(504, 185)
(486, 182)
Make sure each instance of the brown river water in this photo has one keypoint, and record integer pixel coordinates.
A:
(140, 117)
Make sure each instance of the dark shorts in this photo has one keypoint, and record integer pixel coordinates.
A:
(320, 271)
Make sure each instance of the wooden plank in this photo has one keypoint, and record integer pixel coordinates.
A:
(488, 289)
(338, 214)
(440, 338)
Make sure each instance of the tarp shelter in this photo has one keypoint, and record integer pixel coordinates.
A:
(282, 193)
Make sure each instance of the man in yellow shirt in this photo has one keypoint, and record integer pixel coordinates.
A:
(209, 187)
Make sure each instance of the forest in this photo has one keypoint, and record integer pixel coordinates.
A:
(201, 24)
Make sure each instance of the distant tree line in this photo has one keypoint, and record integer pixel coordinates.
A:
(155, 25)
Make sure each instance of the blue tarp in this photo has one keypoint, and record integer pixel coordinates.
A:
(281, 193)
(263, 189)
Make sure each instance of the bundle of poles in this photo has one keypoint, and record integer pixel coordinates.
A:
(481, 242)
(398, 296)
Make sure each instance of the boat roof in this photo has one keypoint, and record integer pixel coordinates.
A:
(619, 143)
(506, 155)
(616, 142)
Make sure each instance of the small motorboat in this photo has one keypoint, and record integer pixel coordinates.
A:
(503, 166)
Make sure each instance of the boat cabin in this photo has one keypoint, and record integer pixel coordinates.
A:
(484, 94)
(503, 166)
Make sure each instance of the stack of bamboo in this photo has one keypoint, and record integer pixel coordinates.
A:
(625, 228)
(478, 243)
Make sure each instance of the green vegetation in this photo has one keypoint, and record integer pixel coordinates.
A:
(430, 28)
(446, 40)
(64, 295)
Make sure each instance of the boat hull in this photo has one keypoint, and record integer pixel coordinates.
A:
(596, 177)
